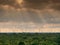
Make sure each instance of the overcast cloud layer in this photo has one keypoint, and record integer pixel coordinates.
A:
(36, 11)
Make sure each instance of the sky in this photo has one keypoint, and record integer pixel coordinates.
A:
(33, 4)
(11, 9)
(29, 14)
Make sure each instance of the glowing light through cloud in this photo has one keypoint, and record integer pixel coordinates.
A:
(19, 1)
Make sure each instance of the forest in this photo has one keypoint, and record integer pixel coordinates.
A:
(29, 39)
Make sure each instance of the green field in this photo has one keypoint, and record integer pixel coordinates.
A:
(29, 39)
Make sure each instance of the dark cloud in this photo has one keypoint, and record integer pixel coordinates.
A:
(41, 4)
(33, 4)
(4, 2)
(12, 3)
(56, 6)
(36, 4)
